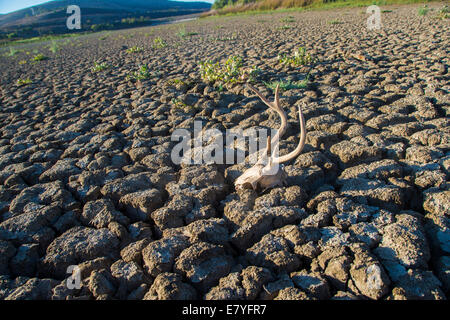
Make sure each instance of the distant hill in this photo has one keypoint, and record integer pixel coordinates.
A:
(50, 17)
(265, 4)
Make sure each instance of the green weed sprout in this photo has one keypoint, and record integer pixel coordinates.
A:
(300, 58)
(143, 73)
(23, 82)
(423, 11)
(158, 43)
(134, 49)
(39, 57)
(99, 67)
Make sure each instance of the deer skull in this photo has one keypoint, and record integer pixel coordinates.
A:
(267, 172)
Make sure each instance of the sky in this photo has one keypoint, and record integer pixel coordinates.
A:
(7, 6)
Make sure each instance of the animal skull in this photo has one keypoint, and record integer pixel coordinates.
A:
(267, 172)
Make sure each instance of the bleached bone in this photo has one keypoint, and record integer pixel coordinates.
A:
(267, 172)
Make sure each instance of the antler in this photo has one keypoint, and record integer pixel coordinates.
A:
(301, 143)
(268, 174)
(275, 105)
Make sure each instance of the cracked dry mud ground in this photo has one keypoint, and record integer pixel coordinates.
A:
(86, 176)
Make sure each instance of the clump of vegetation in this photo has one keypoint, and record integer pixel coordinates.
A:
(443, 13)
(54, 47)
(288, 84)
(232, 71)
(12, 52)
(134, 49)
(300, 58)
(335, 21)
(177, 82)
(423, 11)
(182, 106)
(24, 82)
(104, 37)
(22, 62)
(285, 27)
(39, 57)
(133, 20)
(182, 33)
(142, 74)
(99, 67)
(287, 19)
(159, 43)
(11, 35)
(233, 37)
(101, 26)
(178, 103)
(215, 72)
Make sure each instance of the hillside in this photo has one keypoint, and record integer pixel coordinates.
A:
(234, 6)
(50, 17)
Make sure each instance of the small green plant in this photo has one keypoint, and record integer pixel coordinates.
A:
(219, 88)
(99, 67)
(39, 57)
(182, 106)
(223, 39)
(134, 49)
(21, 62)
(335, 21)
(227, 73)
(54, 47)
(23, 82)
(233, 37)
(300, 58)
(285, 27)
(288, 84)
(231, 71)
(423, 11)
(287, 19)
(143, 73)
(443, 13)
(12, 52)
(182, 33)
(178, 103)
(177, 82)
(158, 43)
